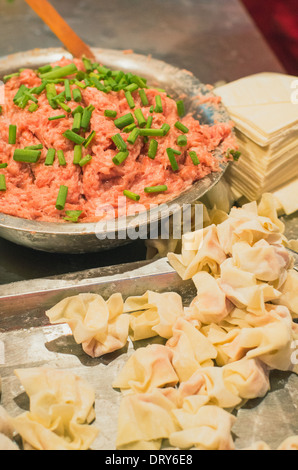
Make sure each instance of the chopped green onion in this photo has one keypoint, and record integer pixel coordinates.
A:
(8, 77)
(87, 113)
(156, 189)
(12, 134)
(181, 127)
(120, 157)
(119, 142)
(129, 99)
(3, 165)
(131, 87)
(88, 64)
(64, 106)
(130, 195)
(180, 108)
(124, 121)
(77, 156)
(85, 160)
(35, 147)
(2, 183)
(133, 136)
(94, 81)
(151, 109)
(129, 128)
(19, 93)
(149, 122)
(54, 118)
(166, 128)
(152, 132)
(70, 135)
(60, 72)
(182, 140)
(138, 81)
(61, 157)
(89, 139)
(158, 104)
(45, 69)
(193, 155)
(1, 109)
(39, 89)
(50, 157)
(72, 216)
(61, 198)
(235, 154)
(33, 107)
(67, 90)
(110, 113)
(171, 156)
(78, 109)
(26, 155)
(152, 149)
(77, 95)
(140, 117)
(51, 93)
(76, 126)
(143, 97)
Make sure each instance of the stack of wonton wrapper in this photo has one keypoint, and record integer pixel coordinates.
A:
(263, 108)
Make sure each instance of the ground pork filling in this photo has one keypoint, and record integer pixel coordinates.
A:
(32, 188)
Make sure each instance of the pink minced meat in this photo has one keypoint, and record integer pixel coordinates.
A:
(32, 189)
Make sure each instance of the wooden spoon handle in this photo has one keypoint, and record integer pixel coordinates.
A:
(61, 29)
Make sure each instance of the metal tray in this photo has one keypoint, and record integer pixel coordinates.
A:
(81, 238)
(23, 322)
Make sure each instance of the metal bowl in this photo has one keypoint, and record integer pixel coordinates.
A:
(89, 237)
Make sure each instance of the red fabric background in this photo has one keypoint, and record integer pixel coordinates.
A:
(278, 21)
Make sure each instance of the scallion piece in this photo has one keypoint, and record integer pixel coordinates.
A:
(171, 156)
(143, 97)
(61, 157)
(19, 93)
(152, 149)
(181, 127)
(72, 216)
(2, 183)
(45, 69)
(35, 147)
(110, 113)
(61, 198)
(26, 155)
(158, 104)
(180, 108)
(70, 135)
(89, 139)
(86, 117)
(182, 141)
(97, 83)
(50, 157)
(85, 160)
(120, 157)
(76, 126)
(78, 109)
(129, 128)
(194, 157)
(8, 77)
(51, 93)
(33, 107)
(88, 64)
(130, 100)
(77, 156)
(133, 136)
(140, 117)
(124, 121)
(77, 95)
(64, 106)
(119, 142)
(131, 87)
(68, 95)
(39, 89)
(152, 132)
(60, 72)
(3, 165)
(166, 128)
(156, 189)
(12, 134)
(130, 195)
(54, 118)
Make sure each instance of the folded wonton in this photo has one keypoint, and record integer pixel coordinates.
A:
(191, 349)
(99, 325)
(289, 293)
(145, 420)
(207, 429)
(61, 409)
(153, 314)
(148, 368)
(201, 251)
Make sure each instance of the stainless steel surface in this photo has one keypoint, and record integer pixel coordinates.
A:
(88, 237)
(271, 419)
